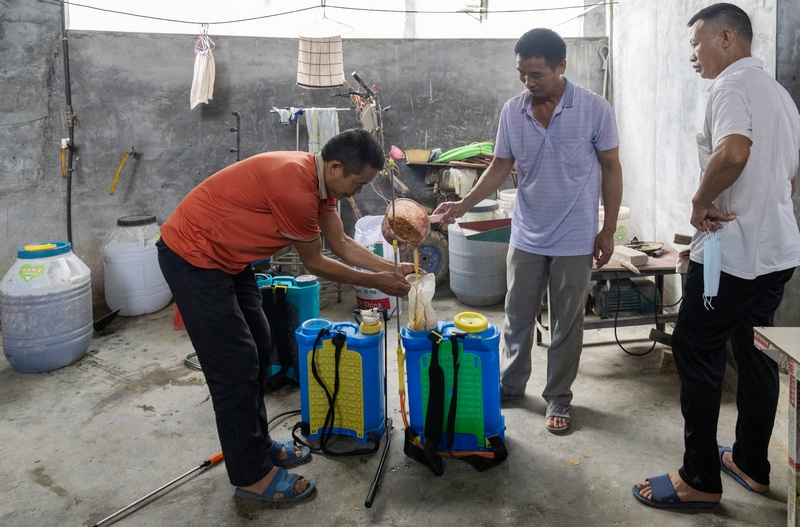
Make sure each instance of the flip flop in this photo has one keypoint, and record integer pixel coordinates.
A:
(665, 497)
(726, 470)
(282, 483)
(556, 409)
(275, 450)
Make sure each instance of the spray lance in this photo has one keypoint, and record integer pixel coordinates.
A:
(395, 154)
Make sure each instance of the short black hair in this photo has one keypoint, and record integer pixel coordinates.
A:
(355, 149)
(726, 15)
(543, 43)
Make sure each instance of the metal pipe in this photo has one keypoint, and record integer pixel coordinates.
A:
(238, 131)
(207, 463)
(70, 117)
(373, 489)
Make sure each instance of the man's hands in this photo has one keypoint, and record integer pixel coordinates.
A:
(450, 210)
(708, 217)
(390, 283)
(406, 268)
(603, 247)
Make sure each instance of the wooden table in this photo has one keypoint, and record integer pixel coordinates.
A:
(657, 267)
(776, 341)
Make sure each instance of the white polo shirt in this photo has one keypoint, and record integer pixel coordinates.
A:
(764, 237)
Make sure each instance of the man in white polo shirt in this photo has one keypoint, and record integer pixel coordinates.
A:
(749, 157)
(564, 140)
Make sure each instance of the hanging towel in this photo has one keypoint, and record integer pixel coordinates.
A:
(288, 115)
(322, 124)
(203, 82)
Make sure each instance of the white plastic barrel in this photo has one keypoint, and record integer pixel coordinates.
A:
(485, 210)
(626, 228)
(477, 269)
(46, 304)
(132, 277)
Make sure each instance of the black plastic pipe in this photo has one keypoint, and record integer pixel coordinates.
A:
(70, 118)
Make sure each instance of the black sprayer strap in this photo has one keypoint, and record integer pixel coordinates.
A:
(280, 331)
(278, 315)
(481, 463)
(339, 340)
(434, 418)
(451, 415)
(410, 447)
(305, 429)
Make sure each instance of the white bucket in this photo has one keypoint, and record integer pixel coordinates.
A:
(132, 277)
(626, 228)
(485, 210)
(477, 269)
(46, 304)
(506, 199)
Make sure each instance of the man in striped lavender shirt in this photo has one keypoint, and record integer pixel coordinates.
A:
(564, 140)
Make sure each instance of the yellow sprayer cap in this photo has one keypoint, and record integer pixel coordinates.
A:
(471, 322)
(370, 329)
(42, 247)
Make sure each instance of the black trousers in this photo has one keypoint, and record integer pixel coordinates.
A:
(230, 333)
(698, 344)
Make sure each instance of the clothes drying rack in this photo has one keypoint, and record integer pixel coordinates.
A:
(297, 128)
(291, 259)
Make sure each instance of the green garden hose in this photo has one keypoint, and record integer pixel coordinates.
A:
(475, 149)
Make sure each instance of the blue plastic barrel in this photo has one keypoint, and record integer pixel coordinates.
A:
(46, 304)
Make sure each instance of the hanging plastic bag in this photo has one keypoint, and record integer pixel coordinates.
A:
(422, 317)
(712, 267)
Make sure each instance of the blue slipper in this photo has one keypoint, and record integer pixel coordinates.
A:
(282, 483)
(275, 451)
(665, 497)
(726, 470)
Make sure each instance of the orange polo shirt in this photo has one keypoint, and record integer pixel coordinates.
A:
(249, 210)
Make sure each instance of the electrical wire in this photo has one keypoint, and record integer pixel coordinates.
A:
(328, 6)
(465, 11)
(283, 414)
(149, 17)
(659, 306)
(3, 125)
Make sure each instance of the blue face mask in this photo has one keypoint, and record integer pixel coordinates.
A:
(712, 264)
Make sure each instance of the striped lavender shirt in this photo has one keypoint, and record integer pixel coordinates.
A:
(558, 194)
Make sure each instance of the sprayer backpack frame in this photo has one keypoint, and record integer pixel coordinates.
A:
(341, 393)
(448, 427)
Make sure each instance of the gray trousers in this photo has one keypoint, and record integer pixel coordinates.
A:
(528, 277)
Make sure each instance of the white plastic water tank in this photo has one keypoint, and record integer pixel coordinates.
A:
(133, 280)
(477, 269)
(46, 304)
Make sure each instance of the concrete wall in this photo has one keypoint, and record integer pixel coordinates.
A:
(788, 74)
(660, 103)
(133, 90)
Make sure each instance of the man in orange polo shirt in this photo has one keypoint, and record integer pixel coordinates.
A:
(245, 213)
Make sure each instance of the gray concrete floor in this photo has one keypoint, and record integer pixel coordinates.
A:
(81, 442)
